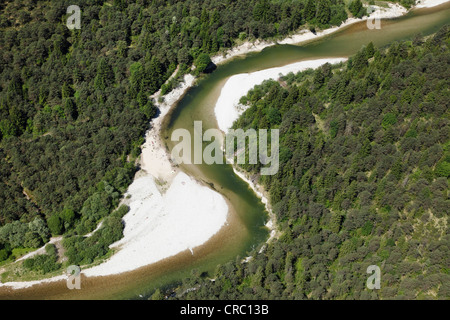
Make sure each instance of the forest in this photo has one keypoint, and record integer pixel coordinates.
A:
(363, 180)
(364, 145)
(75, 104)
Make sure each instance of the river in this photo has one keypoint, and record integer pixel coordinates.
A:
(246, 229)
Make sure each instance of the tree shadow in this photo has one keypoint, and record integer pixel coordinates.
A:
(210, 68)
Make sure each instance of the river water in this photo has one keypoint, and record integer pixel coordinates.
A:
(245, 229)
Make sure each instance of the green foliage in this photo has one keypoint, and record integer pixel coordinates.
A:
(202, 62)
(407, 3)
(136, 79)
(74, 105)
(4, 254)
(261, 11)
(18, 234)
(388, 120)
(310, 10)
(323, 12)
(356, 8)
(334, 127)
(157, 295)
(43, 263)
(50, 249)
(82, 250)
(362, 180)
(442, 168)
(367, 228)
(68, 118)
(104, 76)
(55, 224)
(337, 15)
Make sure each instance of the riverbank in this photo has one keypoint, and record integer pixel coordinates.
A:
(155, 159)
(393, 11)
(261, 193)
(160, 225)
(169, 211)
(429, 3)
(228, 109)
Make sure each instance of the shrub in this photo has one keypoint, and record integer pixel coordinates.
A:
(202, 62)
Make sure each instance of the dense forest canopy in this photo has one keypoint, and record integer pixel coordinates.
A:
(74, 104)
(363, 180)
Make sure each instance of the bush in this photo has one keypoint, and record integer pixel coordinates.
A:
(4, 254)
(55, 225)
(367, 228)
(356, 8)
(82, 250)
(44, 263)
(442, 169)
(202, 62)
(50, 249)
